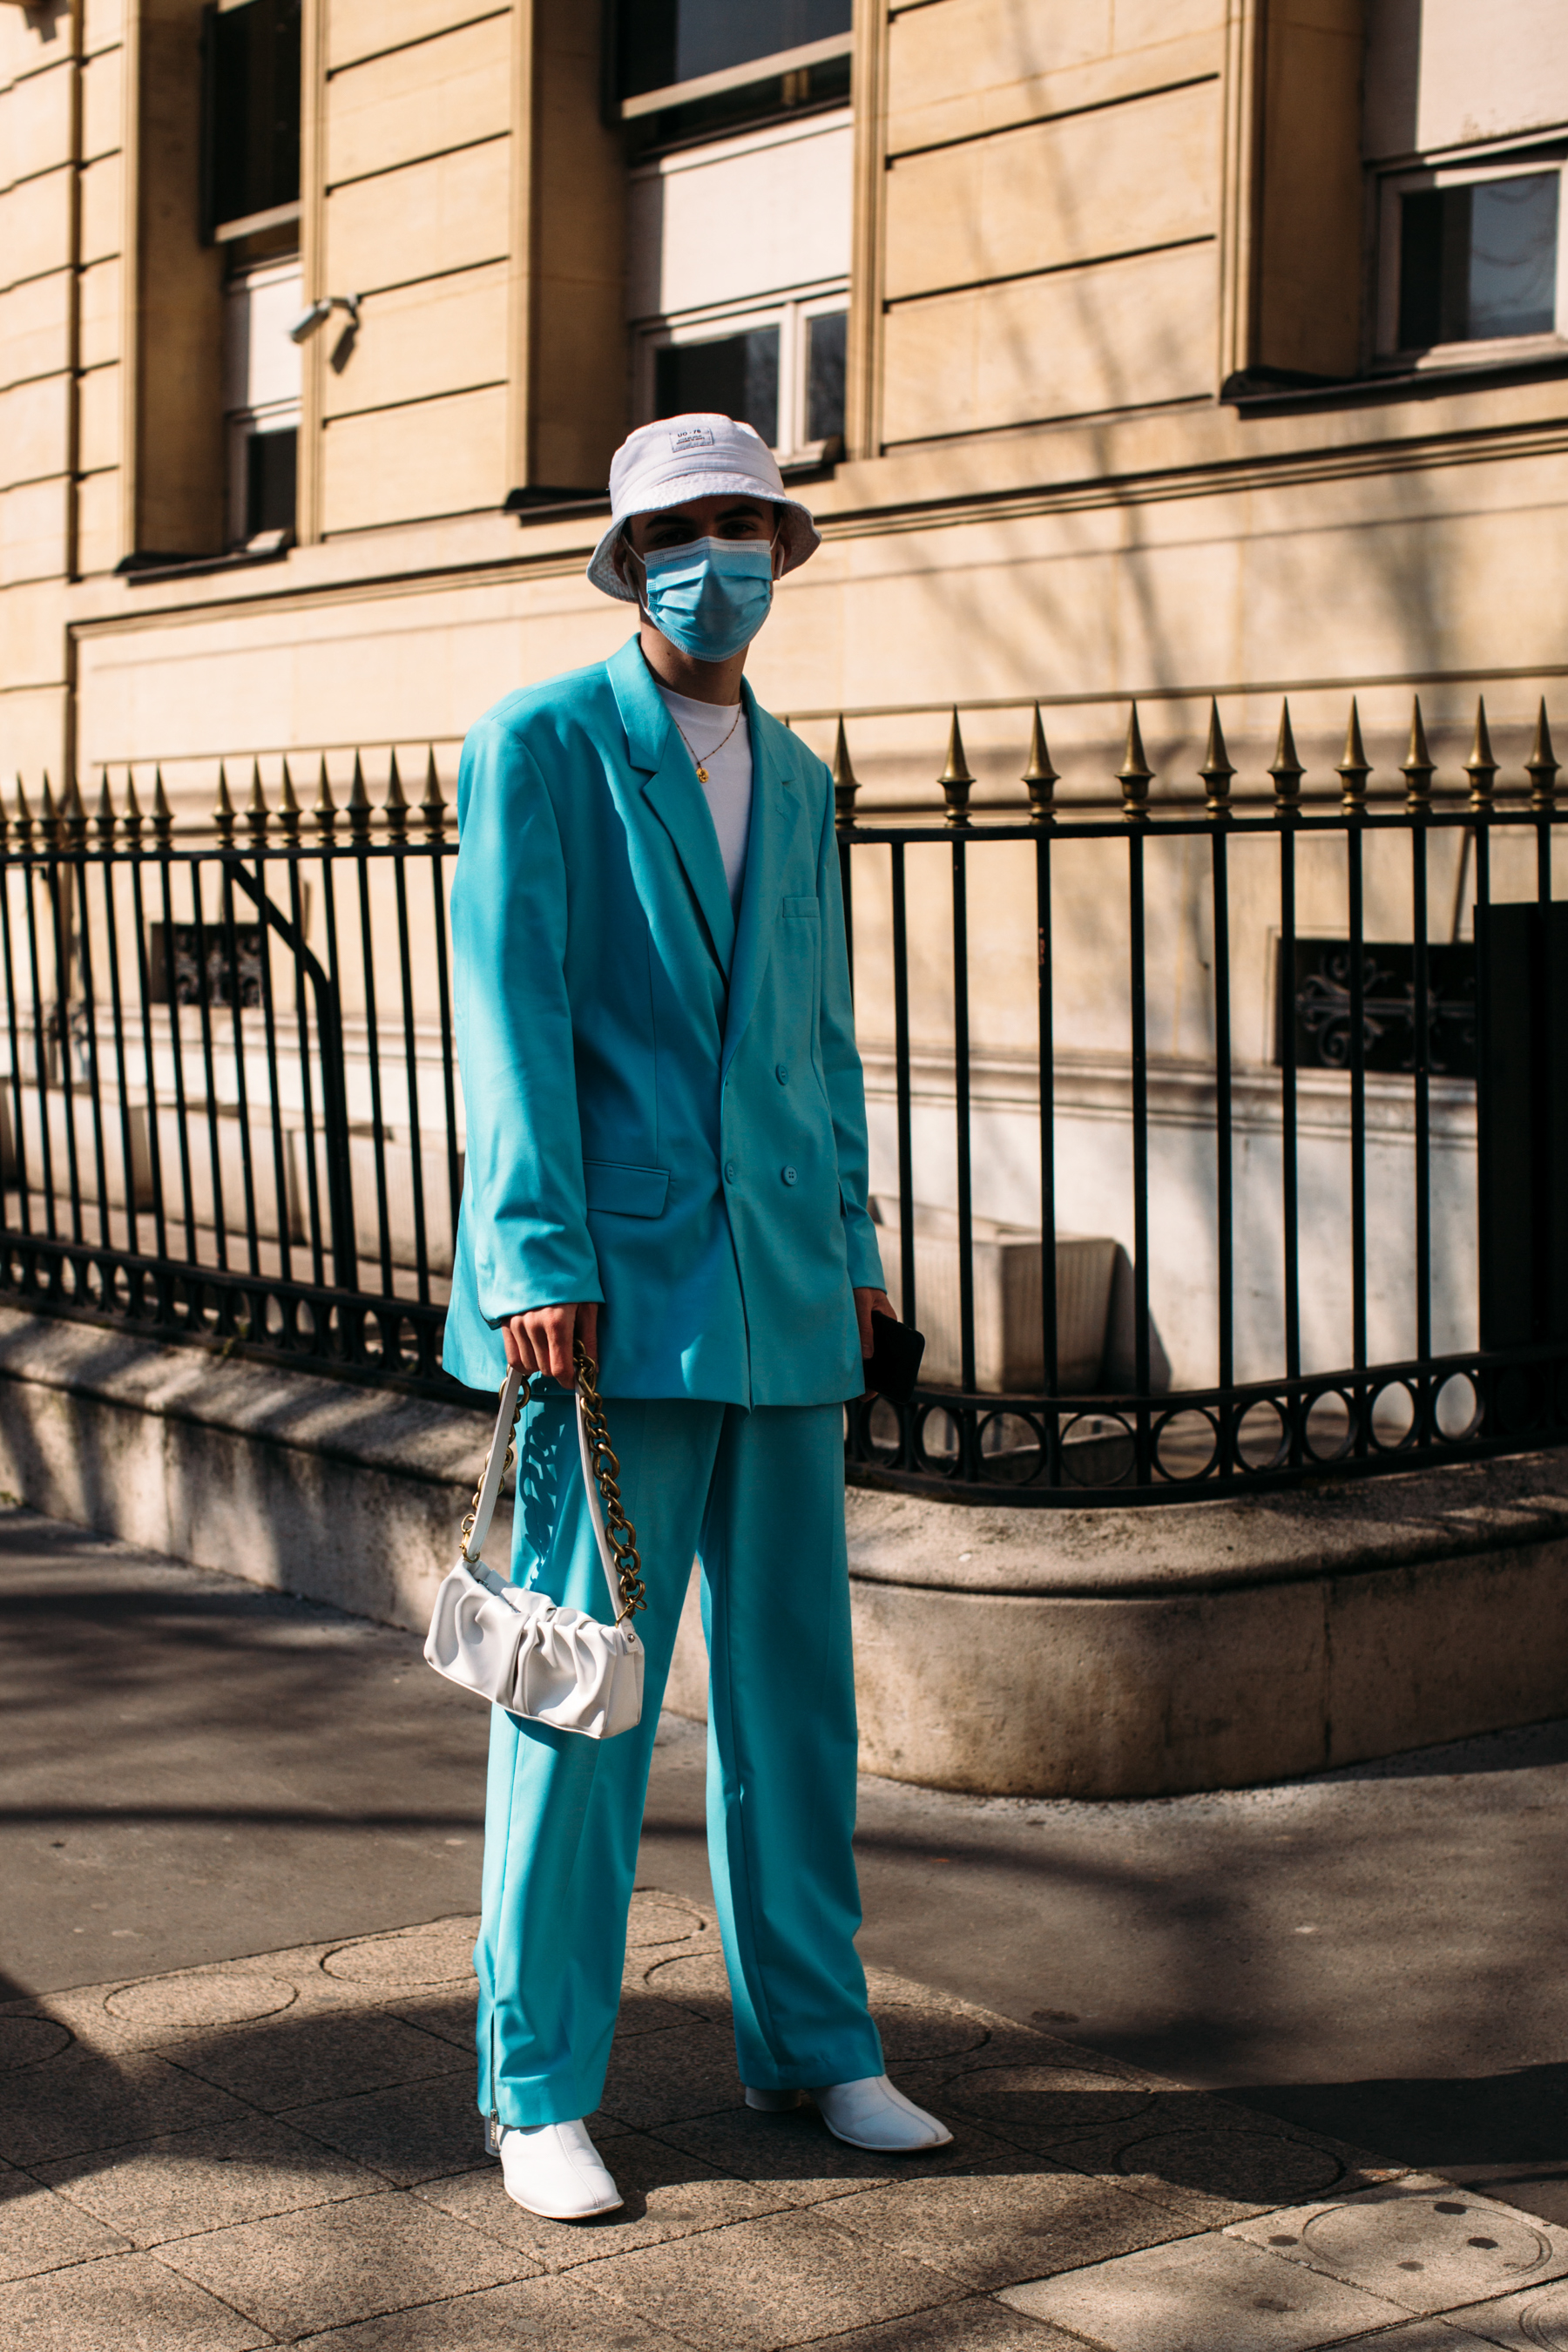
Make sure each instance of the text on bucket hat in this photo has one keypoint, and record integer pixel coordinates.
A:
(699, 456)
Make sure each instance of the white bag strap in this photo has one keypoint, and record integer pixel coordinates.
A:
(477, 1524)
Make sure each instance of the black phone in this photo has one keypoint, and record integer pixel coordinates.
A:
(893, 1365)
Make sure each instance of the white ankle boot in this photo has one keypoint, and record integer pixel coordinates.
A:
(867, 2114)
(556, 2171)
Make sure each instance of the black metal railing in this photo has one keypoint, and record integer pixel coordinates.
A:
(1216, 1138)
(231, 1106)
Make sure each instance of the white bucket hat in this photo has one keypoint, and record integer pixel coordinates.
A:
(699, 456)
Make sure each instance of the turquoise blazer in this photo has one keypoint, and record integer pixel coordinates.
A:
(665, 1106)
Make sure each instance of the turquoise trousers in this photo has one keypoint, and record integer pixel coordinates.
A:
(759, 1496)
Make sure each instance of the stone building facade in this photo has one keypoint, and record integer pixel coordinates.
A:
(1123, 347)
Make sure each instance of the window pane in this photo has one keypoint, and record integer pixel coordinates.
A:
(1513, 255)
(270, 481)
(1479, 261)
(738, 376)
(824, 375)
(253, 107)
(666, 41)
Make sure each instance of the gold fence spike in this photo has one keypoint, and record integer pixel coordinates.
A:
(1285, 768)
(103, 814)
(73, 812)
(1417, 766)
(288, 807)
(48, 816)
(956, 779)
(1040, 779)
(395, 807)
(223, 807)
(1354, 767)
(23, 820)
(358, 803)
(846, 783)
(323, 813)
(132, 817)
(256, 809)
(432, 807)
(163, 814)
(1215, 769)
(1542, 765)
(1134, 775)
(1480, 767)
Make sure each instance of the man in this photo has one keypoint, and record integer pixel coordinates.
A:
(667, 1162)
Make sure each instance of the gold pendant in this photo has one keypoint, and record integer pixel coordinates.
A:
(702, 775)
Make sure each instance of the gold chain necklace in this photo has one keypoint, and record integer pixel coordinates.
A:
(713, 754)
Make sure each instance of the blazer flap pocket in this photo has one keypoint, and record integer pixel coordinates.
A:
(801, 908)
(628, 1192)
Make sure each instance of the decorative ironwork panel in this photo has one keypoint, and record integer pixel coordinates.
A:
(1318, 995)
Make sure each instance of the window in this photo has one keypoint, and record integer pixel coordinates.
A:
(736, 374)
(251, 110)
(1471, 257)
(1478, 260)
(782, 373)
(827, 338)
(663, 42)
(693, 70)
(261, 398)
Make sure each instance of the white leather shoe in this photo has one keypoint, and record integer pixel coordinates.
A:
(872, 2114)
(556, 2171)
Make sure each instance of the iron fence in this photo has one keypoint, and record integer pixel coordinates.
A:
(1272, 1187)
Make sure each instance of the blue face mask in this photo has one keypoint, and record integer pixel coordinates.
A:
(712, 596)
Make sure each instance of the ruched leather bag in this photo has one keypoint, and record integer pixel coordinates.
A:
(520, 1649)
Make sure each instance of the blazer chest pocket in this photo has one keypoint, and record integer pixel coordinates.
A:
(799, 911)
(626, 1191)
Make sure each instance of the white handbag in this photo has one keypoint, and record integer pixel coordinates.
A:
(520, 1649)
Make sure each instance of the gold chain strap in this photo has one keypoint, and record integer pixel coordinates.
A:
(623, 1536)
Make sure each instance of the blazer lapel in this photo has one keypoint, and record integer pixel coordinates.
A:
(674, 796)
(775, 811)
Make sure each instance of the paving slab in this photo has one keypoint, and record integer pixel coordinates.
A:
(189, 2181)
(790, 2279)
(127, 2303)
(42, 2231)
(1204, 2294)
(1533, 2321)
(299, 2274)
(1420, 2241)
(538, 2315)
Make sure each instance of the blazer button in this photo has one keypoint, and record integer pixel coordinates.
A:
(781, 1073)
(728, 1171)
(789, 1176)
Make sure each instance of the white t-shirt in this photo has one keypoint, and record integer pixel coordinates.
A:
(728, 790)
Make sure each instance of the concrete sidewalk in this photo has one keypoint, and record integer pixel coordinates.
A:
(285, 2151)
(221, 2143)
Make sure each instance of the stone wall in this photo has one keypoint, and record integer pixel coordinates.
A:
(1027, 1653)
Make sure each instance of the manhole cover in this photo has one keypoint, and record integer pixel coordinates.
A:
(199, 1999)
(1427, 2250)
(442, 1953)
(910, 2034)
(1045, 2098)
(656, 1919)
(28, 2041)
(692, 1976)
(1544, 2320)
